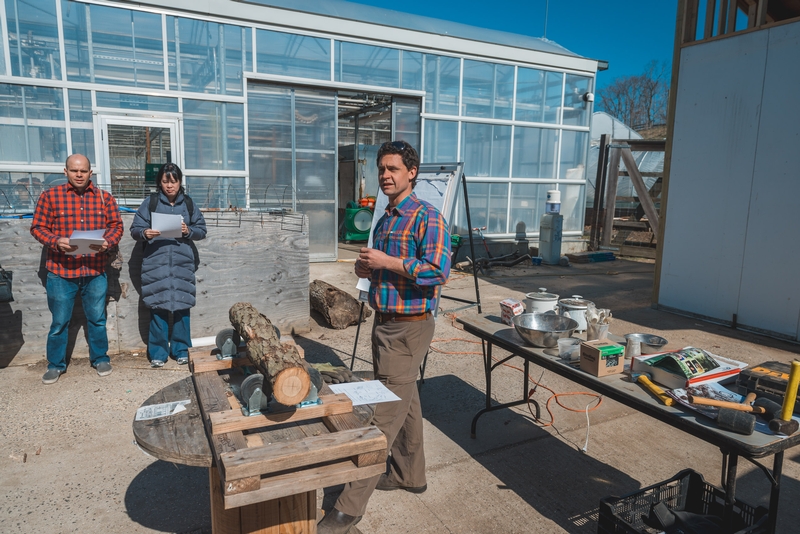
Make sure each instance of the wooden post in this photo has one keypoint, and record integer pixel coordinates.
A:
(611, 195)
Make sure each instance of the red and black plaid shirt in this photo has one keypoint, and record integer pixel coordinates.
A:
(62, 210)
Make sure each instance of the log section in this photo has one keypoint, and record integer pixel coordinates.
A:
(339, 308)
(284, 373)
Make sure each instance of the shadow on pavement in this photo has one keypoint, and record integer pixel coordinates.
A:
(169, 497)
(557, 480)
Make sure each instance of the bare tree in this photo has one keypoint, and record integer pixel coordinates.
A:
(639, 101)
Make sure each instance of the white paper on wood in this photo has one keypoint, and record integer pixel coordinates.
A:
(369, 392)
(82, 239)
(154, 411)
(168, 224)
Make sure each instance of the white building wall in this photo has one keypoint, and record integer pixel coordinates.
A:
(733, 185)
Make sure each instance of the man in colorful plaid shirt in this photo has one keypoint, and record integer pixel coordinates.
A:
(77, 205)
(407, 266)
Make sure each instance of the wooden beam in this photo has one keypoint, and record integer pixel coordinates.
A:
(277, 457)
(761, 13)
(643, 145)
(232, 421)
(278, 486)
(732, 10)
(709, 25)
(722, 20)
(611, 196)
(690, 21)
(641, 189)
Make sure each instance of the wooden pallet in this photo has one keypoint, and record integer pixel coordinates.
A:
(286, 452)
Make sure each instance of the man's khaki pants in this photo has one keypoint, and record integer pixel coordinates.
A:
(398, 348)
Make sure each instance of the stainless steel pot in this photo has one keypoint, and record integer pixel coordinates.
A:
(575, 307)
(541, 301)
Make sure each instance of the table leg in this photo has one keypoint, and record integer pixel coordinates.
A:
(488, 368)
(774, 495)
(730, 488)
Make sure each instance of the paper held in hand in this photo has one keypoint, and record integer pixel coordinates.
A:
(82, 240)
(168, 224)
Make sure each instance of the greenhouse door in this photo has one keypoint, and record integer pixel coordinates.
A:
(133, 150)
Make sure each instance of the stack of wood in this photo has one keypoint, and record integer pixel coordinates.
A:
(285, 375)
(591, 257)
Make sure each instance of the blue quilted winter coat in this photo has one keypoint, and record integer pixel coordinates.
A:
(168, 265)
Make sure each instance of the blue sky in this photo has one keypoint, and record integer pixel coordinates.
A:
(626, 33)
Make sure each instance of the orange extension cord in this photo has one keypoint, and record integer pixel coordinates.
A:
(552, 397)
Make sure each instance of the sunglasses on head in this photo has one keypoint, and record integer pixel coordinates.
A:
(399, 145)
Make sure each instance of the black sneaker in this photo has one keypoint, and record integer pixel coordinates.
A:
(51, 376)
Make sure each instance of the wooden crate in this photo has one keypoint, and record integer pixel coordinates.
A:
(285, 453)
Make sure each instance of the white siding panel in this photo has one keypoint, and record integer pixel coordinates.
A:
(716, 128)
(770, 288)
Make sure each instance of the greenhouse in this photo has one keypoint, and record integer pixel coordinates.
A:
(281, 105)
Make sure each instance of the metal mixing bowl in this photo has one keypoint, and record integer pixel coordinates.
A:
(650, 343)
(544, 329)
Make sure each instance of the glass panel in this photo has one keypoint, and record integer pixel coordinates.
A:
(39, 138)
(213, 135)
(407, 120)
(412, 70)
(19, 191)
(441, 142)
(321, 228)
(488, 206)
(534, 152)
(288, 54)
(528, 204)
(113, 46)
(33, 39)
(131, 149)
(367, 65)
(83, 142)
(315, 120)
(573, 155)
(572, 207)
(207, 57)
(3, 45)
(538, 95)
(142, 102)
(216, 192)
(80, 107)
(576, 111)
(487, 90)
(316, 176)
(442, 76)
(269, 122)
(485, 149)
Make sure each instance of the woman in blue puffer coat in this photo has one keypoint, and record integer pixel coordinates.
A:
(168, 267)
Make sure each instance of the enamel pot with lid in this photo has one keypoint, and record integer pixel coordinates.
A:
(575, 307)
(541, 302)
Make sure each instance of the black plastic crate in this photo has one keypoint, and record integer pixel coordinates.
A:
(687, 491)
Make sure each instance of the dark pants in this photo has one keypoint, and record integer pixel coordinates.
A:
(398, 349)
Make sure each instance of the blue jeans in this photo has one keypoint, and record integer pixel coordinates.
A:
(61, 294)
(161, 344)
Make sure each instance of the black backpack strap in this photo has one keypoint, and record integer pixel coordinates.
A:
(153, 202)
(189, 206)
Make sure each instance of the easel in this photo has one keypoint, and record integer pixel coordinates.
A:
(446, 205)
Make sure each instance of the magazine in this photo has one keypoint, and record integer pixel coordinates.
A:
(689, 366)
(689, 362)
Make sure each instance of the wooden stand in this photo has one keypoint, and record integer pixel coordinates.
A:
(264, 470)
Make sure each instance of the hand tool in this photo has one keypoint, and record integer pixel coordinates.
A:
(703, 401)
(783, 422)
(644, 380)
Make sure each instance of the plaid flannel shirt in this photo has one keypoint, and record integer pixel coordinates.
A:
(416, 232)
(62, 210)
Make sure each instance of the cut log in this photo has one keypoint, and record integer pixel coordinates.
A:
(284, 372)
(338, 307)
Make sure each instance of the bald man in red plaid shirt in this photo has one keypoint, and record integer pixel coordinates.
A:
(77, 205)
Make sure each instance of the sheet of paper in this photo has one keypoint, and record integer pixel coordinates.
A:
(154, 411)
(82, 239)
(369, 392)
(169, 225)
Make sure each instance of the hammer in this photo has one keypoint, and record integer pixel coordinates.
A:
(732, 416)
(782, 423)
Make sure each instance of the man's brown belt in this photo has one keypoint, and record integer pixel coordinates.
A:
(386, 317)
